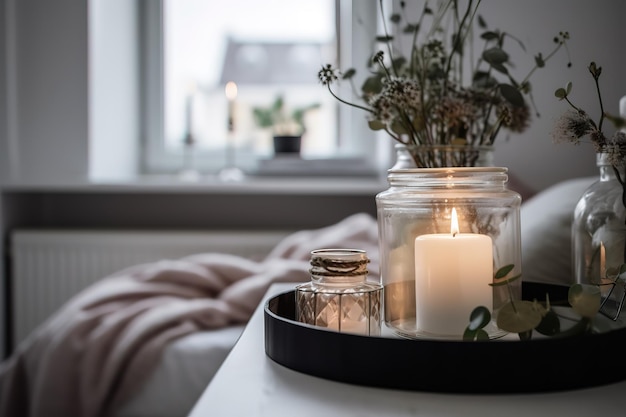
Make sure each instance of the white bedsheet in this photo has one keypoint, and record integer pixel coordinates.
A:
(186, 368)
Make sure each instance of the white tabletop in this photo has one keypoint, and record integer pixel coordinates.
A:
(249, 384)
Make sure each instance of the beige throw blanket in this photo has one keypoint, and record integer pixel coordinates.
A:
(98, 349)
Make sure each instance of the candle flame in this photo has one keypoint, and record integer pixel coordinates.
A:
(454, 223)
(231, 90)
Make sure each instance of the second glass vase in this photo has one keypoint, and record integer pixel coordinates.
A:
(599, 236)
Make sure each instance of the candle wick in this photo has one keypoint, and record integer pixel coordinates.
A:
(454, 234)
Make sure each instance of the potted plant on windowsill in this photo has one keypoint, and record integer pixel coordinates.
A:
(287, 125)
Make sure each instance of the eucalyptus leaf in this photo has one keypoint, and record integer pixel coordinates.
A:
(483, 79)
(399, 62)
(495, 56)
(375, 124)
(585, 299)
(479, 318)
(512, 95)
(481, 22)
(500, 68)
(560, 93)
(489, 36)
(482, 335)
(469, 335)
(399, 128)
(384, 38)
(418, 123)
(506, 281)
(349, 74)
(518, 316)
(504, 271)
(372, 85)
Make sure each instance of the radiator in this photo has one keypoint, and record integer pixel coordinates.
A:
(48, 267)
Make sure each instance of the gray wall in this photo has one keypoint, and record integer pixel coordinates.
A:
(47, 64)
(597, 34)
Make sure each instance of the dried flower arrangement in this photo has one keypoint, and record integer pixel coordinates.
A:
(434, 95)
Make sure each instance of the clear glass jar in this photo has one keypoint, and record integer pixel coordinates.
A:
(599, 235)
(339, 297)
(433, 274)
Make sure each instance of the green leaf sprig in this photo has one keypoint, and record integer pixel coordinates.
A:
(525, 317)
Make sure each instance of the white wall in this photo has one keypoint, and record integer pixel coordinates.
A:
(113, 94)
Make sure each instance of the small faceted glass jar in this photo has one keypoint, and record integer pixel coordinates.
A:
(444, 234)
(339, 297)
(599, 236)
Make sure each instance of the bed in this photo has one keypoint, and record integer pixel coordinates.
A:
(147, 340)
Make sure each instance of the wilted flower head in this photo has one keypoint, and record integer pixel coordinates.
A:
(515, 118)
(398, 97)
(327, 74)
(572, 126)
(616, 149)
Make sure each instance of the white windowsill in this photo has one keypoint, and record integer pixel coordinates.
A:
(211, 184)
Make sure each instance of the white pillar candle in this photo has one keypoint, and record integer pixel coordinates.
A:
(452, 276)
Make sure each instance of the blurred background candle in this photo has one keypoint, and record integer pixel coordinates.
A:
(191, 92)
(231, 94)
(452, 276)
(230, 172)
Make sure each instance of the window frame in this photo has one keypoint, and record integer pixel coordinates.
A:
(354, 46)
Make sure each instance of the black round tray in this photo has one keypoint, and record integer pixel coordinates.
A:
(500, 366)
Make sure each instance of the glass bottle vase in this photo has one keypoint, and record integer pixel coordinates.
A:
(599, 236)
(443, 234)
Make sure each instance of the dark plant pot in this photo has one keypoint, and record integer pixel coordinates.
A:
(287, 144)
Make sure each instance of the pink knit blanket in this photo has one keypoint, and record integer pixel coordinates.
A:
(95, 352)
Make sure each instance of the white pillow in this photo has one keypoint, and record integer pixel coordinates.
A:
(546, 222)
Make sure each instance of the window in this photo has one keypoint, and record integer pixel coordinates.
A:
(268, 49)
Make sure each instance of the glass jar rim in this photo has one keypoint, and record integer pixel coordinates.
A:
(338, 252)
